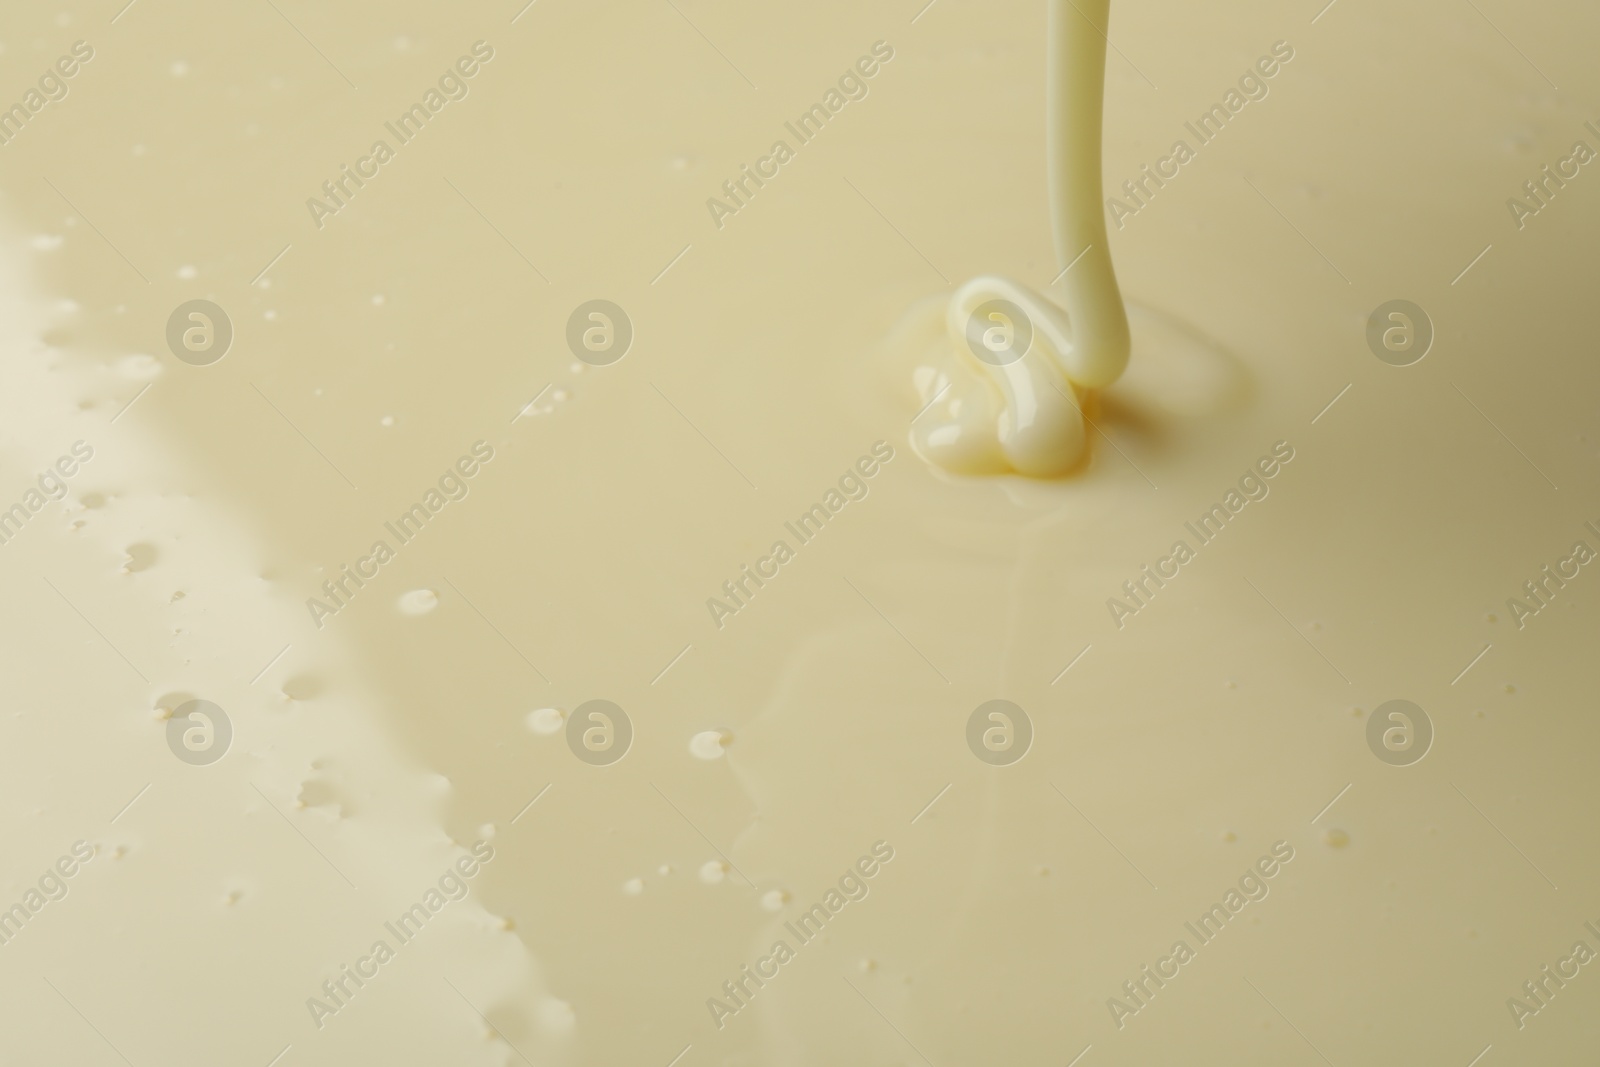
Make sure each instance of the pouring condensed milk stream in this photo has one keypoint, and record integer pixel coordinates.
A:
(1012, 368)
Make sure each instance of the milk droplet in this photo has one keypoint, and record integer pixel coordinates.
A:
(633, 886)
(139, 366)
(709, 744)
(774, 899)
(47, 242)
(302, 687)
(179, 69)
(139, 558)
(418, 601)
(556, 1016)
(713, 871)
(546, 721)
(387, 420)
(187, 272)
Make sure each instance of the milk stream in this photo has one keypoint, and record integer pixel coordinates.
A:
(1003, 406)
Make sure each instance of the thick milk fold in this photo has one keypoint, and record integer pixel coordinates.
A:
(520, 456)
(1029, 419)
(1020, 415)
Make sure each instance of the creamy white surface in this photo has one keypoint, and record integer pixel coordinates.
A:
(1217, 721)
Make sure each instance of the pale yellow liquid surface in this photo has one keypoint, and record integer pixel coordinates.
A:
(1178, 749)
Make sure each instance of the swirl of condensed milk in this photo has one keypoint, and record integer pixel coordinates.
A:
(1022, 342)
(1047, 360)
